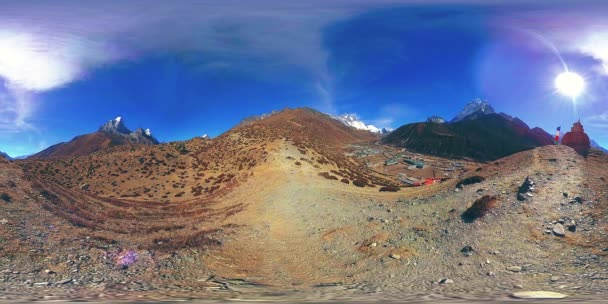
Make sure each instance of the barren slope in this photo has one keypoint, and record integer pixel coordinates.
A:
(286, 229)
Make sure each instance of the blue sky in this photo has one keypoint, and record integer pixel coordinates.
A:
(199, 67)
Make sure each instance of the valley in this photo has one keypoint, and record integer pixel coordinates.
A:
(289, 208)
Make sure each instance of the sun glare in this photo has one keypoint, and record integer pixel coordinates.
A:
(570, 84)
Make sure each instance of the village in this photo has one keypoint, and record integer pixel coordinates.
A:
(411, 169)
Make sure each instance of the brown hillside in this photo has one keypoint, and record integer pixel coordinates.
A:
(199, 168)
(82, 145)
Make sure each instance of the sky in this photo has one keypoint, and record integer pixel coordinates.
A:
(188, 68)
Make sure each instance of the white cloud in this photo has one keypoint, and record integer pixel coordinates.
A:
(595, 44)
(599, 121)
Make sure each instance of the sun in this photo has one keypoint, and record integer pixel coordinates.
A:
(570, 84)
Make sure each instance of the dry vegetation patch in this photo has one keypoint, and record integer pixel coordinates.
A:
(480, 208)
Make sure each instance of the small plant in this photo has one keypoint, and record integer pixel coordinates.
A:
(359, 183)
(181, 147)
(5, 197)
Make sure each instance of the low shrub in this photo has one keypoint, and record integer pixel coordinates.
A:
(359, 183)
(479, 208)
(389, 189)
(5, 197)
(470, 180)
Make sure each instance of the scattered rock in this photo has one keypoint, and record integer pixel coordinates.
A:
(554, 278)
(538, 295)
(446, 281)
(558, 229)
(521, 197)
(395, 256)
(527, 186)
(514, 268)
(3, 221)
(467, 250)
(63, 282)
(571, 226)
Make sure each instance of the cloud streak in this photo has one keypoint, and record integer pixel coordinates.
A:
(48, 45)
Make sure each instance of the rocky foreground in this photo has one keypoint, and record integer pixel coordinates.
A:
(541, 227)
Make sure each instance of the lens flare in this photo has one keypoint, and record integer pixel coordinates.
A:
(570, 84)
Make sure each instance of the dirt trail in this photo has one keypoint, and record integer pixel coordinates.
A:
(274, 246)
(301, 231)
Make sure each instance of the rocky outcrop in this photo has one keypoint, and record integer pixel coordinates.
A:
(577, 139)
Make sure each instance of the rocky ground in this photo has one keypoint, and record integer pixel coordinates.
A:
(302, 237)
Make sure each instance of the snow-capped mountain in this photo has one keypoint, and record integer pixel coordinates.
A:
(594, 144)
(436, 119)
(474, 110)
(117, 126)
(352, 120)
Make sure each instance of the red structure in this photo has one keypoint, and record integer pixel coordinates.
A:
(577, 139)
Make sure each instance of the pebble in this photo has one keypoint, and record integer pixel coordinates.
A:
(3, 221)
(467, 250)
(555, 278)
(446, 281)
(514, 268)
(538, 295)
(62, 282)
(395, 256)
(558, 229)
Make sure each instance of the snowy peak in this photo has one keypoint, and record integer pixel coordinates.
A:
(115, 126)
(352, 120)
(436, 119)
(474, 110)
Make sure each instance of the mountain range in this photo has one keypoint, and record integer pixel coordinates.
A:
(352, 120)
(112, 133)
(477, 132)
(2, 154)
